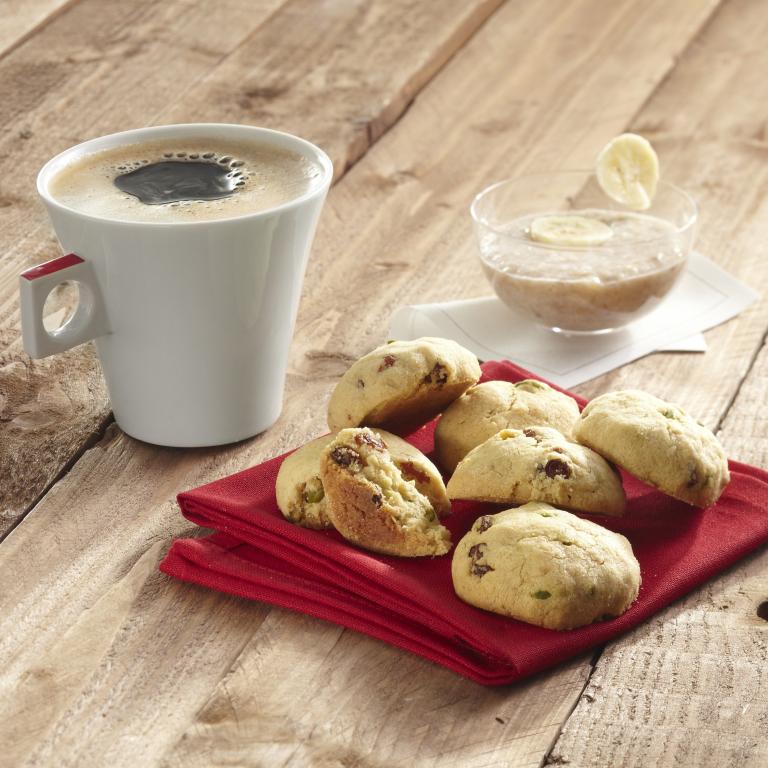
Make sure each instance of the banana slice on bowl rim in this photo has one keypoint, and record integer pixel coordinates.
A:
(570, 230)
(628, 171)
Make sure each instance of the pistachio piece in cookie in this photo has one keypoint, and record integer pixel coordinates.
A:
(545, 566)
(495, 405)
(299, 489)
(658, 443)
(373, 504)
(301, 494)
(538, 463)
(402, 382)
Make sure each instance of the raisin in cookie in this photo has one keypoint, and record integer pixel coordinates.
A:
(538, 464)
(402, 382)
(545, 566)
(495, 405)
(301, 496)
(658, 443)
(372, 504)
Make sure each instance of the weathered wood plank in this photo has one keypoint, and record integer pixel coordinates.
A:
(338, 73)
(96, 68)
(395, 229)
(20, 19)
(716, 148)
(112, 649)
(689, 687)
(383, 709)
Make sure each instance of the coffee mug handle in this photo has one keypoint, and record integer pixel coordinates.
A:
(89, 320)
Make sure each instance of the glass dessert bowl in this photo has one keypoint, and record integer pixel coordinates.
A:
(634, 261)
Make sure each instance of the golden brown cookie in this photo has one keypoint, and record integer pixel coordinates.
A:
(402, 382)
(372, 504)
(538, 464)
(492, 406)
(545, 566)
(301, 496)
(658, 443)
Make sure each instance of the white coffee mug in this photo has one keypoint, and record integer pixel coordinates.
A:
(192, 319)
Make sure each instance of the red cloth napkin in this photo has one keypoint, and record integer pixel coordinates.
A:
(410, 602)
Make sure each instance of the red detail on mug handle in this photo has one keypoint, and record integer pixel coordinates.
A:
(52, 266)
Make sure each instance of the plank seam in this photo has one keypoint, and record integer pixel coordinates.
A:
(753, 359)
(38, 27)
(94, 439)
(461, 36)
(545, 760)
(714, 13)
(695, 37)
(220, 60)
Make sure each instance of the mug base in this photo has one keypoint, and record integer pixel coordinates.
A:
(199, 440)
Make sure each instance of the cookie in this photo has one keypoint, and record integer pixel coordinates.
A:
(495, 405)
(372, 504)
(538, 464)
(299, 489)
(545, 566)
(658, 443)
(301, 496)
(403, 382)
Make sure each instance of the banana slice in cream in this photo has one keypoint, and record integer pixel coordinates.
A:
(570, 230)
(628, 171)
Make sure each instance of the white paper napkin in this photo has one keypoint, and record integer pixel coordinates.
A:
(705, 296)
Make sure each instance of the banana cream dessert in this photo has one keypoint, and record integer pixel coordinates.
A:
(578, 291)
(594, 268)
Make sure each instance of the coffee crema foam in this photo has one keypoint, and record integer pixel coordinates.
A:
(249, 176)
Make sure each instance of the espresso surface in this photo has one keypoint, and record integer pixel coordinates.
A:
(174, 181)
(184, 180)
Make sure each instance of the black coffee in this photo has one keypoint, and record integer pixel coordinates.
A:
(172, 181)
(184, 179)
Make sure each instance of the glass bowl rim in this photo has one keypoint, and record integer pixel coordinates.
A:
(690, 219)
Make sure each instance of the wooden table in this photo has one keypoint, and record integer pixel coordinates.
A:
(106, 662)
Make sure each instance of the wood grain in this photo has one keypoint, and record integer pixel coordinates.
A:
(686, 688)
(395, 229)
(104, 67)
(85, 73)
(383, 709)
(23, 18)
(339, 74)
(689, 686)
(712, 147)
